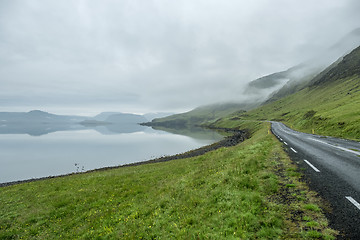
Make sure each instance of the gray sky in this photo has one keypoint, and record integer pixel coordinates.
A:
(88, 56)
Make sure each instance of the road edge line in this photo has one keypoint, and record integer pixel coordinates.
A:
(312, 166)
(353, 201)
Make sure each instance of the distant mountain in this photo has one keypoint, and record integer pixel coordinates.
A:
(39, 117)
(115, 123)
(117, 117)
(127, 118)
(104, 115)
(38, 123)
(151, 116)
(38, 113)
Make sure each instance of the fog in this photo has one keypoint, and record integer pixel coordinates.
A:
(84, 57)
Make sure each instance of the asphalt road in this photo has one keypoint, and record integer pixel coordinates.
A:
(332, 167)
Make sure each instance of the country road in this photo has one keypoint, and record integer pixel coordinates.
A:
(332, 167)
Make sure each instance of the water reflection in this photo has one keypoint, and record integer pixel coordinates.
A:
(38, 129)
(47, 149)
(192, 131)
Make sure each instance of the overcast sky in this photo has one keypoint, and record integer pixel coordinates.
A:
(88, 56)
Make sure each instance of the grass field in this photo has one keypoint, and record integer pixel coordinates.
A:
(244, 192)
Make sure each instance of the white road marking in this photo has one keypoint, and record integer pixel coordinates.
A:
(312, 166)
(341, 148)
(353, 201)
(348, 150)
(285, 143)
(293, 150)
(281, 139)
(283, 128)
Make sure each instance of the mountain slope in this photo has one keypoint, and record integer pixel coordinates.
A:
(277, 85)
(328, 105)
(348, 66)
(198, 116)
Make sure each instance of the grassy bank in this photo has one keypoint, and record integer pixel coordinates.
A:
(247, 191)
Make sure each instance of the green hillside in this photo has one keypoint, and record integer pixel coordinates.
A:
(292, 86)
(300, 75)
(198, 116)
(328, 105)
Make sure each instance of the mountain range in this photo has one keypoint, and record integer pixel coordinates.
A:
(38, 122)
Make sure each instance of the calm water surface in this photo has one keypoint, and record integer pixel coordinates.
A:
(23, 156)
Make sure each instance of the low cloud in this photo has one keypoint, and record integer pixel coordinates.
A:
(155, 55)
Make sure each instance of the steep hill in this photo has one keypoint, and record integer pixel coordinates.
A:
(348, 66)
(328, 105)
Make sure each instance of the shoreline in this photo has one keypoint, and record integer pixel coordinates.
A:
(237, 137)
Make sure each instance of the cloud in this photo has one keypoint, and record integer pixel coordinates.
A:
(155, 54)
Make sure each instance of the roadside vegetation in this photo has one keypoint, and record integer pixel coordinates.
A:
(247, 191)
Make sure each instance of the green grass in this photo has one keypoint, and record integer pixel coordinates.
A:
(231, 193)
(198, 116)
(331, 109)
